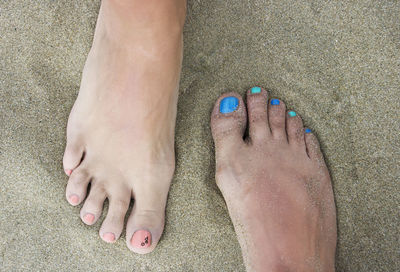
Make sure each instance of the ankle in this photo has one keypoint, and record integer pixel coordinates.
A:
(270, 259)
(306, 266)
(135, 15)
(123, 23)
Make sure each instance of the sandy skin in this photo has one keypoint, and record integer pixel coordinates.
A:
(275, 183)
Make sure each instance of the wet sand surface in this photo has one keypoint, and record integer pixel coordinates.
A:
(337, 64)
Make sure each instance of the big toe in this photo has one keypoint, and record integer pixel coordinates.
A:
(228, 121)
(146, 221)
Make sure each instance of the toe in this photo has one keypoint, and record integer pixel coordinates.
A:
(277, 116)
(143, 230)
(113, 224)
(257, 99)
(228, 121)
(72, 156)
(146, 221)
(295, 130)
(77, 186)
(93, 205)
(312, 146)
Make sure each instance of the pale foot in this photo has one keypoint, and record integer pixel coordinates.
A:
(120, 134)
(275, 183)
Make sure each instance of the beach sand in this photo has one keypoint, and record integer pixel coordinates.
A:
(336, 63)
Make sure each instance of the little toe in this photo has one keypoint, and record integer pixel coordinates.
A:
(72, 156)
(277, 117)
(312, 146)
(93, 205)
(114, 222)
(228, 121)
(257, 99)
(77, 186)
(295, 130)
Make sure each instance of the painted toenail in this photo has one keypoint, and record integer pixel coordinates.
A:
(228, 104)
(109, 237)
(141, 239)
(308, 130)
(275, 102)
(89, 218)
(292, 113)
(68, 172)
(255, 90)
(74, 199)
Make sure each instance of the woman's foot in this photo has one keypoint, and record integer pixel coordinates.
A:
(120, 134)
(275, 183)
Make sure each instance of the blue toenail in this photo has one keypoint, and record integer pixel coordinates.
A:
(292, 113)
(255, 90)
(308, 130)
(228, 104)
(275, 102)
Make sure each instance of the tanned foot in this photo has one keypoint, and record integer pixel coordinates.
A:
(120, 134)
(275, 183)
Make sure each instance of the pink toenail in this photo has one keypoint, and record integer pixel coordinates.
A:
(89, 218)
(141, 239)
(74, 199)
(109, 237)
(68, 172)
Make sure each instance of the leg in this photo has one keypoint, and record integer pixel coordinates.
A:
(276, 185)
(120, 134)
